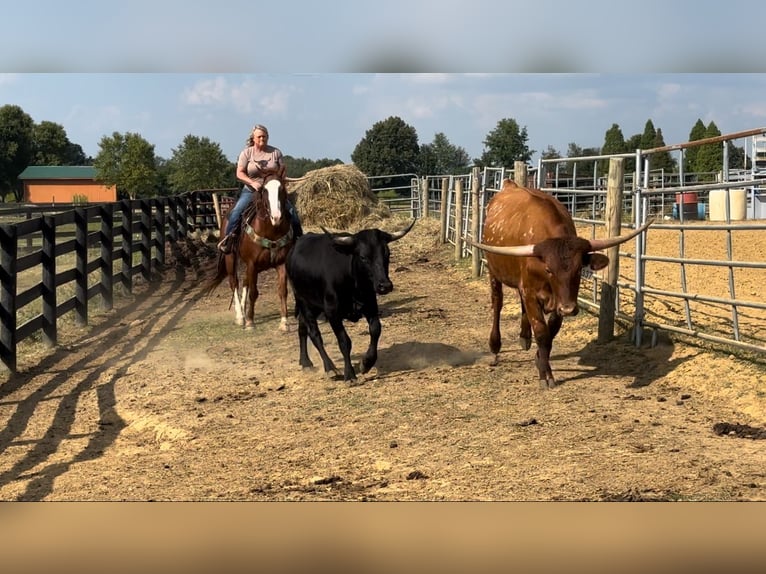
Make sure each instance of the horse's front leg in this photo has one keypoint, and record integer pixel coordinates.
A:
(252, 298)
(282, 292)
(231, 271)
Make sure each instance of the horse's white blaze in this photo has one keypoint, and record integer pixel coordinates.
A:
(272, 189)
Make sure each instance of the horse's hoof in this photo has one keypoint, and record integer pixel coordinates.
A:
(239, 322)
(249, 326)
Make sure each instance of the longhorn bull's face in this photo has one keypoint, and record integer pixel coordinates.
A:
(561, 261)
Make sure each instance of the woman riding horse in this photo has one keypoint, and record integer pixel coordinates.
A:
(267, 236)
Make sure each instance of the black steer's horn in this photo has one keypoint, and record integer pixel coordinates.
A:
(402, 233)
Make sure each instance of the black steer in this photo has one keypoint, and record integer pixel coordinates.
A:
(340, 275)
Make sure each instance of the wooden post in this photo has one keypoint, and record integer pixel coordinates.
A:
(443, 210)
(613, 219)
(424, 197)
(475, 221)
(520, 173)
(458, 219)
(217, 206)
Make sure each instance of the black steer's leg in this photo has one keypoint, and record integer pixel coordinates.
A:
(316, 337)
(344, 343)
(303, 332)
(371, 356)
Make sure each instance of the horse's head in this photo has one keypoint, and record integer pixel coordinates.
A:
(274, 198)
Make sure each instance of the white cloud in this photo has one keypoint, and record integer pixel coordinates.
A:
(758, 109)
(245, 97)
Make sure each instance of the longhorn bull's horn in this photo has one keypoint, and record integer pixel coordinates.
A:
(294, 179)
(600, 244)
(402, 233)
(513, 250)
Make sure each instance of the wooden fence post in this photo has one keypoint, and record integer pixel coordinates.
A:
(443, 210)
(50, 327)
(106, 261)
(613, 219)
(520, 173)
(458, 219)
(8, 257)
(424, 197)
(475, 221)
(145, 246)
(126, 245)
(81, 266)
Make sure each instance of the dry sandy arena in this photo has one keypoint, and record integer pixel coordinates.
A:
(166, 399)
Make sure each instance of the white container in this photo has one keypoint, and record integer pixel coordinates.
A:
(737, 204)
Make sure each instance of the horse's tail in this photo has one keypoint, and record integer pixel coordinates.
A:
(216, 280)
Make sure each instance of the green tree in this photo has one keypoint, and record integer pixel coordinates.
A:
(300, 166)
(52, 146)
(441, 157)
(710, 156)
(632, 144)
(737, 157)
(649, 135)
(690, 154)
(663, 159)
(16, 148)
(128, 162)
(549, 169)
(199, 163)
(506, 144)
(614, 142)
(389, 147)
(585, 167)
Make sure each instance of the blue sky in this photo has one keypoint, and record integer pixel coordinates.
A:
(319, 74)
(324, 115)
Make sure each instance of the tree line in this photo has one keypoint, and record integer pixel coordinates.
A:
(390, 146)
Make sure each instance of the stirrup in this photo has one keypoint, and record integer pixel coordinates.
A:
(224, 245)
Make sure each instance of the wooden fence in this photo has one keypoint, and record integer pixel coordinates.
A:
(130, 238)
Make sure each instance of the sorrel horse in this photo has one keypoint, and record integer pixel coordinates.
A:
(265, 239)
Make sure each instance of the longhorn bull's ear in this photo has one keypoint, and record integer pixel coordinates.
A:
(399, 234)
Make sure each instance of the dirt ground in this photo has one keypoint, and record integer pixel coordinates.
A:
(166, 399)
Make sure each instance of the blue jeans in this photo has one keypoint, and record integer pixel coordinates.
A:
(245, 196)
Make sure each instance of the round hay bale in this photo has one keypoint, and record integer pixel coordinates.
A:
(337, 197)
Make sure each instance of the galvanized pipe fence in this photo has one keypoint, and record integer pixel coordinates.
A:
(735, 317)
